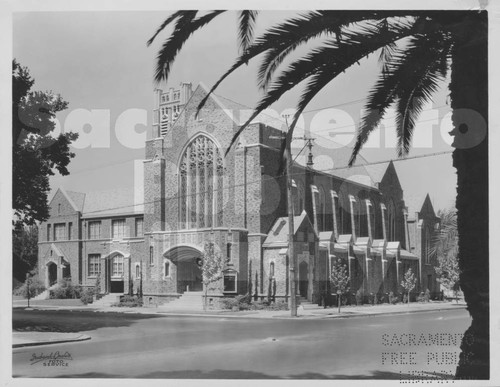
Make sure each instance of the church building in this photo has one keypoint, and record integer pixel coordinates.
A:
(194, 191)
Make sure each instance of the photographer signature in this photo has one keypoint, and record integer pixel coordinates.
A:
(51, 356)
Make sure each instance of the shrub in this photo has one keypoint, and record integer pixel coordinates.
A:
(228, 303)
(279, 305)
(129, 302)
(359, 297)
(427, 295)
(87, 296)
(392, 298)
(65, 289)
(421, 297)
(405, 298)
(244, 299)
(36, 287)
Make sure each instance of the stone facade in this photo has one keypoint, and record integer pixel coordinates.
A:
(198, 189)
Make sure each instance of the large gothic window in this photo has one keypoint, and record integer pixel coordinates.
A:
(201, 185)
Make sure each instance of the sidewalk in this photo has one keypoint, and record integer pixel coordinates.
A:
(307, 311)
(24, 339)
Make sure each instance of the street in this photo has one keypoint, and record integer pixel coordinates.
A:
(140, 346)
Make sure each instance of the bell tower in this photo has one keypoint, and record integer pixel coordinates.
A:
(167, 107)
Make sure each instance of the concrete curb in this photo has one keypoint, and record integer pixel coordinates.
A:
(51, 341)
(309, 316)
(254, 315)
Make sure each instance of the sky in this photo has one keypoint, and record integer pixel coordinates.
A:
(99, 61)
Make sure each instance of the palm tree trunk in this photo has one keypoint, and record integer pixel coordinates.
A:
(469, 90)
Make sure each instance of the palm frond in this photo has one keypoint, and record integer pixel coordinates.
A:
(297, 31)
(167, 21)
(446, 241)
(246, 28)
(325, 63)
(410, 78)
(423, 83)
(185, 26)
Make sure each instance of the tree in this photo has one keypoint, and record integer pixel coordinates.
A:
(445, 248)
(24, 250)
(340, 279)
(417, 50)
(36, 152)
(212, 267)
(409, 283)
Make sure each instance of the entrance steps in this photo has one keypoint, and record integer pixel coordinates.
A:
(45, 295)
(189, 301)
(306, 304)
(108, 300)
(42, 296)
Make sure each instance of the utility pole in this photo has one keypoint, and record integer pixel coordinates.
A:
(291, 228)
(28, 287)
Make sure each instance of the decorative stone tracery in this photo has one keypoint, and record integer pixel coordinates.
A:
(201, 185)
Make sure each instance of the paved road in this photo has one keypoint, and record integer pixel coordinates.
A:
(133, 346)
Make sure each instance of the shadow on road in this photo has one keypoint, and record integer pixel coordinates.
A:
(235, 374)
(70, 321)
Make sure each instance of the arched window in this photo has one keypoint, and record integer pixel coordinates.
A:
(271, 270)
(321, 209)
(339, 207)
(166, 268)
(427, 246)
(201, 185)
(300, 199)
(137, 270)
(391, 215)
(353, 207)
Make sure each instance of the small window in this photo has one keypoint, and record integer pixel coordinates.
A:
(271, 270)
(70, 230)
(230, 282)
(117, 266)
(139, 229)
(151, 258)
(49, 231)
(59, 209)
(166, 270)
(228, 251)
(137, 270)
(95, 230)
(59, 232)
(118, 229)
(94, 265)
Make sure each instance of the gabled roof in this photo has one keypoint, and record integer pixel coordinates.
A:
(78, 199)
(106, 203)
(369, 175)
(56, 250)
(278, 235)
(112, 202)
(67, 197)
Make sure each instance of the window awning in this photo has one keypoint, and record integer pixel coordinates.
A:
(340, 248)
(407, 255)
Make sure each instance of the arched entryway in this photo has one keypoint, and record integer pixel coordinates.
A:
(188, 262)
(303, 279)
(52, 273)
(114, 273)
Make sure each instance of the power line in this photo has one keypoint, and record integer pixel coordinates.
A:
(177, 197)
(315, 133)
